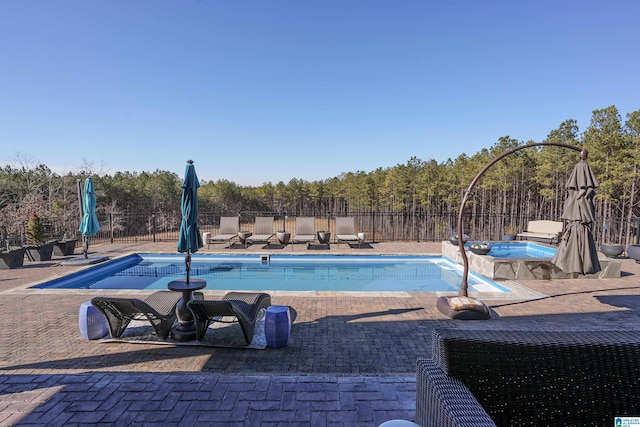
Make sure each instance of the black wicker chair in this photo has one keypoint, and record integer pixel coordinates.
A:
(243, 306)
(529, 378)
(158, 308)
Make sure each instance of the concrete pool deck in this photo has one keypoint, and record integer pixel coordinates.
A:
(351, 361)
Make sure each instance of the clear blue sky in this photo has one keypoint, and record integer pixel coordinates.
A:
(259, 91)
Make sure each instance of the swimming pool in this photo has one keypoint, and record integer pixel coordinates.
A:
(359, 273)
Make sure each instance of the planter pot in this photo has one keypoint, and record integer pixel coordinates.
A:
(508, 237)
(454, 240)
(324, 237)
(283, 237)
(611, 251)
(633, 252)
(480, 251)
(12, 259)
(243, 236)
(64, 248)
(41, 253)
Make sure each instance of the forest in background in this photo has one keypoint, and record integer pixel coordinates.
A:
(528, 184)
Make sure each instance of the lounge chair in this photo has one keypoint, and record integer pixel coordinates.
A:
(158, 308)
(243, 306)
(305, 230)
(229, 227)
(345, 230)
(262, 230)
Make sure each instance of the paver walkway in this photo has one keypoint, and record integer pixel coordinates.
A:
(351, 361)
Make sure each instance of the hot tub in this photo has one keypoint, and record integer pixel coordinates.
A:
(522, 260)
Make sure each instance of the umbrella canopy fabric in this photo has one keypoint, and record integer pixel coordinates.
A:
(89, 225)
(577, 250)
(190, 239)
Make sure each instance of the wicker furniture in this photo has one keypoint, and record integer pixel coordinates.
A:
(529, 378)
(158, 308)
(243, 306)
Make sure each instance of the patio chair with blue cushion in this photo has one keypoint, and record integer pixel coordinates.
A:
(243, 307)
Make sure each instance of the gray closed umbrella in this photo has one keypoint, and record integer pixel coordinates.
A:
(577, 251)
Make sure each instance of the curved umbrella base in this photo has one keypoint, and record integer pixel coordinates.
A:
(463, 308)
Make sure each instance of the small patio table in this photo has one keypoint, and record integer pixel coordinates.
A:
(186, 329)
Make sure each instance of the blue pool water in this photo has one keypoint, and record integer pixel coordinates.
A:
(382, 273)
(520, 250)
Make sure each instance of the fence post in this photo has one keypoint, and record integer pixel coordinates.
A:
(153, 227)
(111, 226)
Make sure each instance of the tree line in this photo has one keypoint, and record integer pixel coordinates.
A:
(528, 184)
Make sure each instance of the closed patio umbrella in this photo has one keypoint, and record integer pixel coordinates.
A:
(189, 239)
(89, 225)
(577, 250)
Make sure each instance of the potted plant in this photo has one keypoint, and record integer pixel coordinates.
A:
(454, 239)
(510, 232)
(480, 248)
(37, 248)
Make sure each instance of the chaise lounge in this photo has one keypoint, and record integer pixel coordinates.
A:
(346, 230)
(262, 230)
(305, 230)
(242, 306)
(229, 227)
(158, 308)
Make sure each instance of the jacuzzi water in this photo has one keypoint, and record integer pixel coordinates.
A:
(251, 272)
(520, 250)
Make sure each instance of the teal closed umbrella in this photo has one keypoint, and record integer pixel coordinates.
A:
(189, 240)
(89, 225)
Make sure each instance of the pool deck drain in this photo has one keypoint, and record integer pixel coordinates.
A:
(351, 361)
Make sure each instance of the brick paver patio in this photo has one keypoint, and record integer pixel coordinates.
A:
(351, 360)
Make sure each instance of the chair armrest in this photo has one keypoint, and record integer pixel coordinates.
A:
(445, 401)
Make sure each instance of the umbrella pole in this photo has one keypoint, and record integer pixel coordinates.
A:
(85, 246)
(187, 262)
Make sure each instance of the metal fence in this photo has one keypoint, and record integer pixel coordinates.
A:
(379, 226)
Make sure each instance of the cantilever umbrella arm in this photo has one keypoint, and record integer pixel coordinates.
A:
(463, 307)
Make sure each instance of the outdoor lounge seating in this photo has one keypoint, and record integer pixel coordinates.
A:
(229, 227)
(262, 230)
(243, 306)
(550, 231)
(305, 230)
(346, 231)
(489, 378)
(158, 308)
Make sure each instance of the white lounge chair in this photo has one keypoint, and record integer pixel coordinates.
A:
(305, 230)
(262, 230)
(346, 230)
(229, 226)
